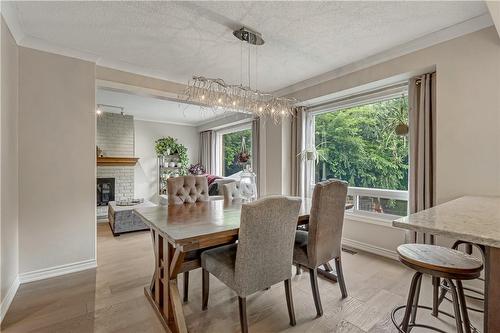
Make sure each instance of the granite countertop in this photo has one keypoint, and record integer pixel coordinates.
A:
(471, 218)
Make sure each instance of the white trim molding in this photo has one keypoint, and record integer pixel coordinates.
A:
(7, 300)
(350, 243)
(46, 273)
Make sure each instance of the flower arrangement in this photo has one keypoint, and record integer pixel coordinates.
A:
(196, 169)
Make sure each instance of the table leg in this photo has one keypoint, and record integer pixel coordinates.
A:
(492, 290)
(163, 293)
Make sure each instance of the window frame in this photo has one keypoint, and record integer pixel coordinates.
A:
(219, 145)
(368, 97)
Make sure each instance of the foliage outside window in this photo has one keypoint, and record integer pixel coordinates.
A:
(231, 144)
(360, 145)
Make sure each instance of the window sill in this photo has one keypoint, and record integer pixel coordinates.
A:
(381, 221)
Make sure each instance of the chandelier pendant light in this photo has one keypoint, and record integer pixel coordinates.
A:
(216, 94)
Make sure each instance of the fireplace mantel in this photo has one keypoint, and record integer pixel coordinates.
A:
(117, 161)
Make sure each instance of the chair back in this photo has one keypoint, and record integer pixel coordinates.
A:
(326, 221)
(265, 242)
(231, 191)
(187, 189)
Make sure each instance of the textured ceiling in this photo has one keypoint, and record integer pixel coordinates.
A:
(177, 39)
(154, 109)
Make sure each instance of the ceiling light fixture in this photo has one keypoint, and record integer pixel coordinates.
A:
(219, 95)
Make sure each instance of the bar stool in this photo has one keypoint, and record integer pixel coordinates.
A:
(438, 262)
(439, 296)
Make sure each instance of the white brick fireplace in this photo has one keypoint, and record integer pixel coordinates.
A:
(115, 137)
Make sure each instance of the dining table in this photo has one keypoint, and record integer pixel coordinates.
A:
(179, 234)
(474, 219)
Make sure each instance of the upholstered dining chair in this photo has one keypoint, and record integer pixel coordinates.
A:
(187, 189)
(183, 190)
(231, 191)
(322, 242)
(263, 255)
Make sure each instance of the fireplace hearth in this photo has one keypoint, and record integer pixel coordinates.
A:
(105, 191)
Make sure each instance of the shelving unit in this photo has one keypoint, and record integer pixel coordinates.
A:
(165, 171)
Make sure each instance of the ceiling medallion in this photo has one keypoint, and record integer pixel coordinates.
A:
(219, 95)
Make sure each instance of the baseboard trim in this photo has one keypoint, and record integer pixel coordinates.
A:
(370, 248)
(7, 300)
(57, 271)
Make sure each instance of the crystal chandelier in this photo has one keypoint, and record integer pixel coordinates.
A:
(216, 94)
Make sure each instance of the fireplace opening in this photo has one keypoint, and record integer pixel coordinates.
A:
(105, 191)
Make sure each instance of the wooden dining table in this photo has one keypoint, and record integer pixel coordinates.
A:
(179, 234)
(476, 220)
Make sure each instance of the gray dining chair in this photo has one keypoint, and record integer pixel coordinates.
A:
(263, 255)
(187, 189)
(184, 190)
(323, 240)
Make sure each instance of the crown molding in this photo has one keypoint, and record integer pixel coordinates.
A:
(469, 26)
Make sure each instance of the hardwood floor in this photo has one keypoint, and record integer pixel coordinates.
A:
(111, 298)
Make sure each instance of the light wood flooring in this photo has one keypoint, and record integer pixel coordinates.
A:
(111, 298)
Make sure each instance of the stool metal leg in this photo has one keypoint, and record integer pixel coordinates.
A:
(435, 295)
(463, 306)
(409, 304)
(413, 316)
(456, 305)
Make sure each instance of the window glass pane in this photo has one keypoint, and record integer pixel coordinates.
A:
(360, 145)
(383, 206)
(232, 147)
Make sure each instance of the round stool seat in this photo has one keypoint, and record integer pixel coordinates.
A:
(440, 261)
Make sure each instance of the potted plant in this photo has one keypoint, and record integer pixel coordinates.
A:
(313, 153)
(169, 146)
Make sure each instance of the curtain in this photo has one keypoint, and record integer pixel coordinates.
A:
(297, 145)
(422, 140)
(207, 151)
(255, 150)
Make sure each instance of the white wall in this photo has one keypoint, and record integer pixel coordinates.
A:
(146, 133)
(9, 165)
(57, 167)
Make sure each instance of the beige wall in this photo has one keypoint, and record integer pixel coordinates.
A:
(56, 160)
(468, 108)
(9, 160)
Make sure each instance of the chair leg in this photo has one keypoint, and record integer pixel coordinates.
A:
(242, 301)
(289, 301)
(340, 277)
(313, 275)
(409, 303)
(436, 282)
(186, 287)
(205, 288)
(456, 306)
(328, 267)
(463, 306)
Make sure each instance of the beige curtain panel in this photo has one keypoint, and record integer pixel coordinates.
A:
(422, 139)
(297, 145)
(207, 151)
(255, 150)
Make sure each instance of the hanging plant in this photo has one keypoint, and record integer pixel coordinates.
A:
(243, 157)
(169, 146)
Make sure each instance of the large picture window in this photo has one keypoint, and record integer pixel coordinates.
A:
(230, 146)
(365, 145)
